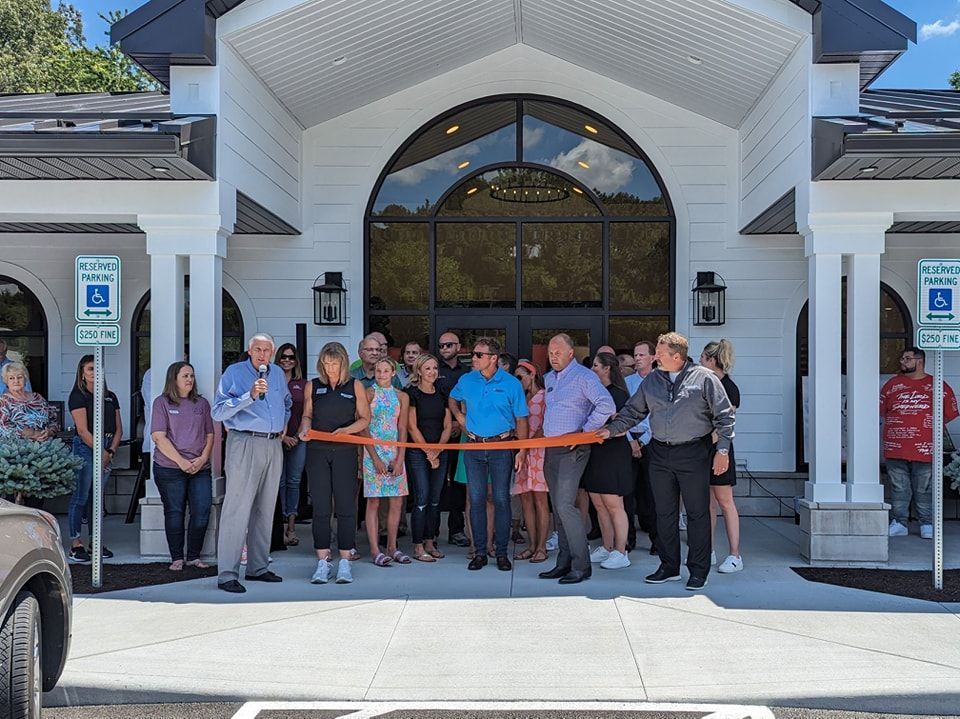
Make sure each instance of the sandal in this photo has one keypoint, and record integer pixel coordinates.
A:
(382, 560)
(354, 555)
(290, 538)
(491, 554)
(539, 556)
(176, 566)
(518, 538)
(400, 558)
(198, 564)
(425, 557)
(435, 553)
(525, 554)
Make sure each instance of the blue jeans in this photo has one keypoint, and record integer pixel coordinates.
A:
(176, 489)
(294, 460)
(910, 480)
(427, 483)
(497, 464)
(82, 498)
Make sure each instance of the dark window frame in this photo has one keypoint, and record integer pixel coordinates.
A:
(43, 386)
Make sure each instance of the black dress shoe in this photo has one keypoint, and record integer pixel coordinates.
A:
(233, 586)
(696, 583)
(478, 562)
(575, 576)
(267, 576)
(503, 564)
(555, 573)
(662, 575)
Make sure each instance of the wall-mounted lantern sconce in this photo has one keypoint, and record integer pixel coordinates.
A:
(709, 306)
(329, 299)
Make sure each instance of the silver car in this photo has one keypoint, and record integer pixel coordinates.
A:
(35, 607)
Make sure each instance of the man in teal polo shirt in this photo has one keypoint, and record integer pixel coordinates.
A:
(491, 405)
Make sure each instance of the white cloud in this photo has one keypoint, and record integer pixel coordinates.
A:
(448, 161)
(939, 29)
(532, 136)
(608, 170)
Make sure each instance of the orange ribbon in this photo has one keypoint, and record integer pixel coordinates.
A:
(564, 440)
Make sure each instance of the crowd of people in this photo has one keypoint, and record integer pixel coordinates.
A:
(663, 460)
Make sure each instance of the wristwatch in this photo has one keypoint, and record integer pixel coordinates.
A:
(723, 452)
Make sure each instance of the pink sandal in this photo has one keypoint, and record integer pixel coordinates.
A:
(382, 560)
(401, 558)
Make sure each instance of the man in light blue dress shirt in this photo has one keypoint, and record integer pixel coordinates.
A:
(254, 406)
(576, 401)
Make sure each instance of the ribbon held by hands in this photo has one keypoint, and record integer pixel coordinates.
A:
(564, 440)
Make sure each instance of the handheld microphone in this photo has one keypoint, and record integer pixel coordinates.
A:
(261, 373)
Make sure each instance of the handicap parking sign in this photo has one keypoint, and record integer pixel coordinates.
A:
(941, 299)
(98, 296)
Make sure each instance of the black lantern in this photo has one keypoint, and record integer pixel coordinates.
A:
(708, 301)
(329, 299)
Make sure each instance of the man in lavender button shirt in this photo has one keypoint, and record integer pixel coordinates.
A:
(576, 402)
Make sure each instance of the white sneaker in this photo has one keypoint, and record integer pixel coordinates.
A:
(322, 575)
(926, 531)
(600, 554)
(683, 522)
(344, 573)
(730, 565)
(616, 560)
(553, 541)
(897, 530)
(713, 559)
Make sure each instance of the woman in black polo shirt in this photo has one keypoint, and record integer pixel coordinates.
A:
(81, 409)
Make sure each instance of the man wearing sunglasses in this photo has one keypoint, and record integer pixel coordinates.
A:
(453, 499)
(492, 406)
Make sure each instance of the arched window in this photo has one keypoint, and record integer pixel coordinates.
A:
(23, 326)
(896, 334)
(520, 216)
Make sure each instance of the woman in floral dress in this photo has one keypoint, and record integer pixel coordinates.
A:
(384, 475)
(531, 483)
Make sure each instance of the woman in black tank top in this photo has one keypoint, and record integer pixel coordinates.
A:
(334, 402)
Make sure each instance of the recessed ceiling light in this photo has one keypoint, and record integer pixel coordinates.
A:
(868, 170)
(694, 60)
(583, 164)
(339, 60)
(465, 163)
(591, 129)
(578, 190)
(452, 129)
(157, 168)
(471, 190)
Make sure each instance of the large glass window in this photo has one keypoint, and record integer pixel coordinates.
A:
(23, 327)
(520, 206)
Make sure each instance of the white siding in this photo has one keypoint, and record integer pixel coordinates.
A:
(775, 139)
(258, 141)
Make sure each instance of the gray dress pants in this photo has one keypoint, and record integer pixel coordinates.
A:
(253, 466)
(564, 468)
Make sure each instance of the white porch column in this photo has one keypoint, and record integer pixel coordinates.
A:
(196, 243)
(824, 378)
(863, 377)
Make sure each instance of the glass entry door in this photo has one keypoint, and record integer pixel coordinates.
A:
(536, 331)
(470, 328)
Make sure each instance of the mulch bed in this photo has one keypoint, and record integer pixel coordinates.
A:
(129, 576)
(916, 584)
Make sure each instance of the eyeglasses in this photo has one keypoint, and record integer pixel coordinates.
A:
(480, 355)
(445, 345)
(908, 358)
(288, 357)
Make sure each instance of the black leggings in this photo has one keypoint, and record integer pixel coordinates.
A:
(332, 474)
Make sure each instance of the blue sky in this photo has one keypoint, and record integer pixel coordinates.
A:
(927, 64)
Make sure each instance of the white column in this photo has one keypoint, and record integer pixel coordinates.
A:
(206, 330)
(863, 377)
(824, 378)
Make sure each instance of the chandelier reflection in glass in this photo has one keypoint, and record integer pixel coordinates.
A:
(526, 185)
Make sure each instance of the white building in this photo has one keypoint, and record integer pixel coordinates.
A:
(665, 137)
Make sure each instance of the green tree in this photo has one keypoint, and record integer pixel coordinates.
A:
(43, 49)
(955, 80)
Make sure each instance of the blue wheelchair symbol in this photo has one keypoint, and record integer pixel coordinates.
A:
(98, 296)
(941, 300)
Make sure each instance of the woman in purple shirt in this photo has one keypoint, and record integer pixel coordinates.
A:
(182, 432)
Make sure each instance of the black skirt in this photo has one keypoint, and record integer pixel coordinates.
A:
(728, 478)
(610, 468)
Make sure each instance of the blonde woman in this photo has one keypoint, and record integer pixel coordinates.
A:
(334, 402)
(718, 357)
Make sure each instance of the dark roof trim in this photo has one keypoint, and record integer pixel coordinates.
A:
(73, 228)
(255, 219)
(778, 219)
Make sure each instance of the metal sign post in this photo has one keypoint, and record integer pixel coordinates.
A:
(96, 521)
(936, 479)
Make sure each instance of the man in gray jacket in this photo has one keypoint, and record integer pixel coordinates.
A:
(686, 404)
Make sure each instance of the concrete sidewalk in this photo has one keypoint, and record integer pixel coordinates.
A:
(436, 631)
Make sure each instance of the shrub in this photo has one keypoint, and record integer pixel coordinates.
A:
(36, 469)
